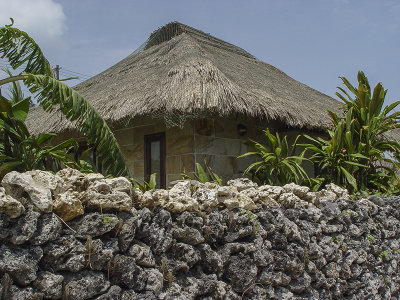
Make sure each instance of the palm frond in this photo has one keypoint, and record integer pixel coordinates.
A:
(52, 94)
(19, 48)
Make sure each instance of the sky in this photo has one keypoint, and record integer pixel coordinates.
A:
(313, 41)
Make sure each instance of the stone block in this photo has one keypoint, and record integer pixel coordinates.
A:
(187, 129)
(173, 164)
(180, 145)
(187, 163)
(124, 136)
(138, 168)
(204, 127)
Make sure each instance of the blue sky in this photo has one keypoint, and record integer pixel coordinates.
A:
(312, 41)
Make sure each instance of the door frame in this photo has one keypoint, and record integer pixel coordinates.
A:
(148, 139)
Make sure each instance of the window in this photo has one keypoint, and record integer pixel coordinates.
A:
(154, 157)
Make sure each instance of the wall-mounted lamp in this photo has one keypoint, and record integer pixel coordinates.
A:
(241, 129)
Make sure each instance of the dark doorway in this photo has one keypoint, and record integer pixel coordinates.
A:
(154, 157)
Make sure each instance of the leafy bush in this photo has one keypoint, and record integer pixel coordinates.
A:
(278, 164)
(21, 151)
(356, 155)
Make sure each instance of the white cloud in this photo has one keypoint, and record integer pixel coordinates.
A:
(44, 20)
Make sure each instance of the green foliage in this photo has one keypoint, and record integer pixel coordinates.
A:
(254, 221)
(145, 185)
(371, 239)
(278, 164)
(356, 153)
(21, 151)
(19, 49)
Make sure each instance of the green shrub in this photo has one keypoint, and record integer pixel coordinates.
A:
(278, 164)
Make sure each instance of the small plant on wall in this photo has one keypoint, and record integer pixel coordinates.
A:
(203, 175)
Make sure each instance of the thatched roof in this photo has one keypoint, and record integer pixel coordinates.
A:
(182, 70)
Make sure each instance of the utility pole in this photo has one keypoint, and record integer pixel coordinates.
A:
(57, 71)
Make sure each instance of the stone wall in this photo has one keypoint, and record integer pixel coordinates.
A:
(76, 236)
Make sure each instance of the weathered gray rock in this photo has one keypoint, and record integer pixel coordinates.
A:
(95, 224)
(142, 254)
(114, 293)
(211, 260)
(241, 272)
(101, 253)
(64, 254)
(274, 278)
(128, 274)
(49, 284)
(308, 246)
(155, 280)
(187, 235)
(25, 227)
(85, 286)
(48, 229)
(20, 264)
(15, 293)
(10, 206)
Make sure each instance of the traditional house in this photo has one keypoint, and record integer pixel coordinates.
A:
(185, 96)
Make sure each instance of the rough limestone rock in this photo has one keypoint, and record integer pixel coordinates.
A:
(273, 191)
(242, 184)
(18, 184)
(180, 198)
(340, 192)
(68, 205)
(213, 242)
(206, 197)
(109, 194)
(73, 179)
(48, 180)
(10, 206)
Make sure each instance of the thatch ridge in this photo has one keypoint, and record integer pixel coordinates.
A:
(186, 71)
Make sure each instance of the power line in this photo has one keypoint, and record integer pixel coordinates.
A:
(77, 73)
(69, 73)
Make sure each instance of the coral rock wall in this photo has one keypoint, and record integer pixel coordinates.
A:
(76, 236)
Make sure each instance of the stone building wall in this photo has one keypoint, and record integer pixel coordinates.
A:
(219, 143)
(215, 140)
